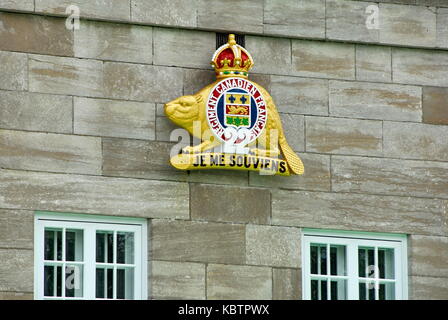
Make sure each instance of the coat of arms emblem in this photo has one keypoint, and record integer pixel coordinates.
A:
(235, 119)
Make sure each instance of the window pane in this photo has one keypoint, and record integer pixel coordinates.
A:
(49, 245)
(125, 247)
(104, 246)
(362, 291)
(73, 245)
(366, 290)
(387, 291)
(323, 289)
(100, 283)
(339, 289)
(323, 259)
(366, 262)
(53, 244)
(73, 281)
(337, 258)
(371, 262)
(125, 283)
(318, 258)
(104, 282)
(386, 263)
(59, 281)
(361, 263)
(314, 261)
(49, 281)
(110, 283)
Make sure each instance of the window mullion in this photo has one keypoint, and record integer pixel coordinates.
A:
(352, 271)
(114, 255)
(398, 274)
(328, 273)
(63, 284)
(89, 249)
(376, 269)
(307, 269)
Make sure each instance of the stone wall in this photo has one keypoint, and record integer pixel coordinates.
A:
(82, 130)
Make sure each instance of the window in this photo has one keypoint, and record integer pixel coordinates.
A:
(89, 257)
(355, 266)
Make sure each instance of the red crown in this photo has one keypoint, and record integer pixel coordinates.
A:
(232, 60)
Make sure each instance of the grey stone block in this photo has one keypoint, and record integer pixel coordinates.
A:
(16, 270)
(118, 10)
(263, 80)
(295, 18)
(316, 176)
(177, 280)
(142, 82)
(271, 55)
(36, 112)
(70, 76)
(231, 15)
(91, 194)
(359, 212)
(35, 34)
(442, 27)
(347, 20)
(13, 71)
(196, 79)
(16, 229)
(390, 176)
(323, 59)
(435, 105)
(110, 41)
(373, 63)
(164, 127)
(428, 288)
(16, 296)
(19, 5)
(112, 118)
(415, 66)
(343, 136)
(273, 246)
(182, 13)
(222, 177)
(407, 25)
(286, 284)
(415, 141)
(294, 130)
(230, 204)
(188, 241)
(300, 95)
(227, 282)
(50, 152)
(375, 101)
(169, 43)
(429, 256)
(139, 159)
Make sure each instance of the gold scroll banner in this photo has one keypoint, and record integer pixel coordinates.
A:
(230, 161)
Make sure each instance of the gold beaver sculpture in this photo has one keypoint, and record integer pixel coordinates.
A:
(184, 111)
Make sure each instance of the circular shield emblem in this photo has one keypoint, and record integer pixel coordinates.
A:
(236, 111)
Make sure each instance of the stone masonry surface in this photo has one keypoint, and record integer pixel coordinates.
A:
(82, 129)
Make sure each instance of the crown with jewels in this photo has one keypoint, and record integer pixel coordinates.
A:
(232, 60)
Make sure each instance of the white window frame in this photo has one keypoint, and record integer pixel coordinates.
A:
(352, 240)
(90, 223)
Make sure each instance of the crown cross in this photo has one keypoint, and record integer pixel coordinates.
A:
(225, 62)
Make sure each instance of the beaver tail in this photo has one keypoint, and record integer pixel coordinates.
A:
(294, 162)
